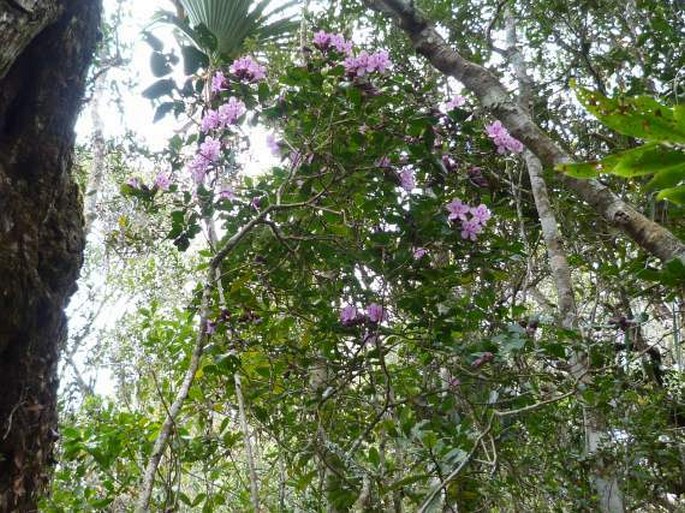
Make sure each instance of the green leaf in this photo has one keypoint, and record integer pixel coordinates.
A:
(159, 88)
(644, 160)
(641, 117)
(193, 59)
(673, 194)
(666, 178)
(159, 64)
(409, 480)
(648, 159)
(374, 457)
(163, 110)
(590, 169)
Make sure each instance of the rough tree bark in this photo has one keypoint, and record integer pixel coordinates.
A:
(45, 49)
(492, 94)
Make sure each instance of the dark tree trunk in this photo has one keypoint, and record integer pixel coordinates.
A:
(45, 49)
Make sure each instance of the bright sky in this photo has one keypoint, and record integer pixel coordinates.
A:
(137, 115)
(138, 111)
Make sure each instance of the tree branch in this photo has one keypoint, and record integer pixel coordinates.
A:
(652, 237)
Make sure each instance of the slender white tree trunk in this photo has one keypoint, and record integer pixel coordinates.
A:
(604, 479)
(97, 166)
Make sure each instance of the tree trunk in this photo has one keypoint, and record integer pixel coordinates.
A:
(45, 49)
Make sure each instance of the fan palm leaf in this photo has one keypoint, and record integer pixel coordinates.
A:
(232, 22)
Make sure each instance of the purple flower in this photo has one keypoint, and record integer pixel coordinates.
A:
(455, 102)
(348, 315)
(470, 229)
(351, 64)
(476, 177)
(407, 181)
(375, 313)
(449, 163)
(481, 214)
(457, 210)
(454, 382)
(133, 182)
(325, 41)
(295, 157)
(162, 181)
(340, 44)
(210, 149)
(515, 145)
(210, 327)
(364, 63)
(484, 358)
(210, 121)
(227, 192)
(419, 253)
(500, 136)
(379, 61)
(198, 168)
(383, 163)
(256, 202)
(230, 112)
(218, 82)
(322, 40)
(273, 145)
(247, 69)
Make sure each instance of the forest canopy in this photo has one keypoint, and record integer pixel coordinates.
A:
(456, 286)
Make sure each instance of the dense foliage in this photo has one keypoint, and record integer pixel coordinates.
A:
(372, 323)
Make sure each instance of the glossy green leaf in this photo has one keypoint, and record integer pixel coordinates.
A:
(673, 194)
(666, 178)
(590, 169)
(642, 117)
(648, 159)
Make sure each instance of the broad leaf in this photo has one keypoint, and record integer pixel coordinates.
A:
(642, 117)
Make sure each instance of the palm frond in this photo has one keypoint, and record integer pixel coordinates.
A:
(232, 22)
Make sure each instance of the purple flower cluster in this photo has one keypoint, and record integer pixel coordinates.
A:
(374, 314)
(227, 193)
(245, 68)
(500, 136)
(227, 114)
(208, 153)
(219, 82)
(273, 145)
(162, 181)
(419, 253)
(384, 163)
(325, 42)
(473, 219)
(367, 63)
(453, 103)
(407, 179)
